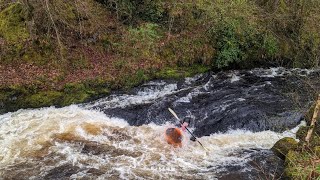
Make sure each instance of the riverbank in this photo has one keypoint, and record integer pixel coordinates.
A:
(34, 93)
(302, 157)
(58, 53)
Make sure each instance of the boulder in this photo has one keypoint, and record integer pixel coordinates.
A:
(283, 146)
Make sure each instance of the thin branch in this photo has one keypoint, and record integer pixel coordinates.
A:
(313, 120)
(55, 28)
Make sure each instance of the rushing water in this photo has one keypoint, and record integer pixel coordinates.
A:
(90, 141)
(53, 143)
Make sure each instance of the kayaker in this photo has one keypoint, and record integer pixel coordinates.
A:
(174, 136)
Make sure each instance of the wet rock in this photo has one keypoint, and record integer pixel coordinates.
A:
(104, 149)
(257, 100)
(283, 146)
(62, 172)
(96, 172)
(263, 164)
(20, 171)
(95, 148)
(119, 135)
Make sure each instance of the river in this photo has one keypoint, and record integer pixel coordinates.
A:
(236, 115)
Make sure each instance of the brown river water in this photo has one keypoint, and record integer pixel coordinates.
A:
(77, 143)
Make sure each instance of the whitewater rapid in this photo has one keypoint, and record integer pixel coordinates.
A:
(237, 115)
(75, 142)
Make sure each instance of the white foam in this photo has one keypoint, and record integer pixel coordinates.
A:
(139, 152)
(234, 78)
(190, 80)
(142, 97)
(241, 99)
(280, 71)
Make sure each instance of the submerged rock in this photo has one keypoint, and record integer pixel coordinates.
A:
(62, 172)
(263, 165)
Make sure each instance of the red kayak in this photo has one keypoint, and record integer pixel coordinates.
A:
(174, 137)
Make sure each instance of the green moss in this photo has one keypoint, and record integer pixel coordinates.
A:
(81, 92)
(12, 23)
(31, 56)
(42, 99)
(170, 74)
(16, 97)
(6, 95)
(283, 146)
(181, 72)
(79, 63)
(74, 93)
(128, 80)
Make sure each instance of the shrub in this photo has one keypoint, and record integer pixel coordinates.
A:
(130, 11)
(141, 43)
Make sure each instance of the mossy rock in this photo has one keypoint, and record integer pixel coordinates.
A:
(283, 146)
(181, 72)
(42, 99)
(170, 74)
(81, 92)
(75, 93)
(75, 98)
(15, 97)
(10, 98)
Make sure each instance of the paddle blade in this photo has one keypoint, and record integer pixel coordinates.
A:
(174, 114)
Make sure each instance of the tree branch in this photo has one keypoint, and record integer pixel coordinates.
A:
(313, 120)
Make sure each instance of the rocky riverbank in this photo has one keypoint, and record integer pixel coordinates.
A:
(302, 156)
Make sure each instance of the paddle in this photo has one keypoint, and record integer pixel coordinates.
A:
(181, 122)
